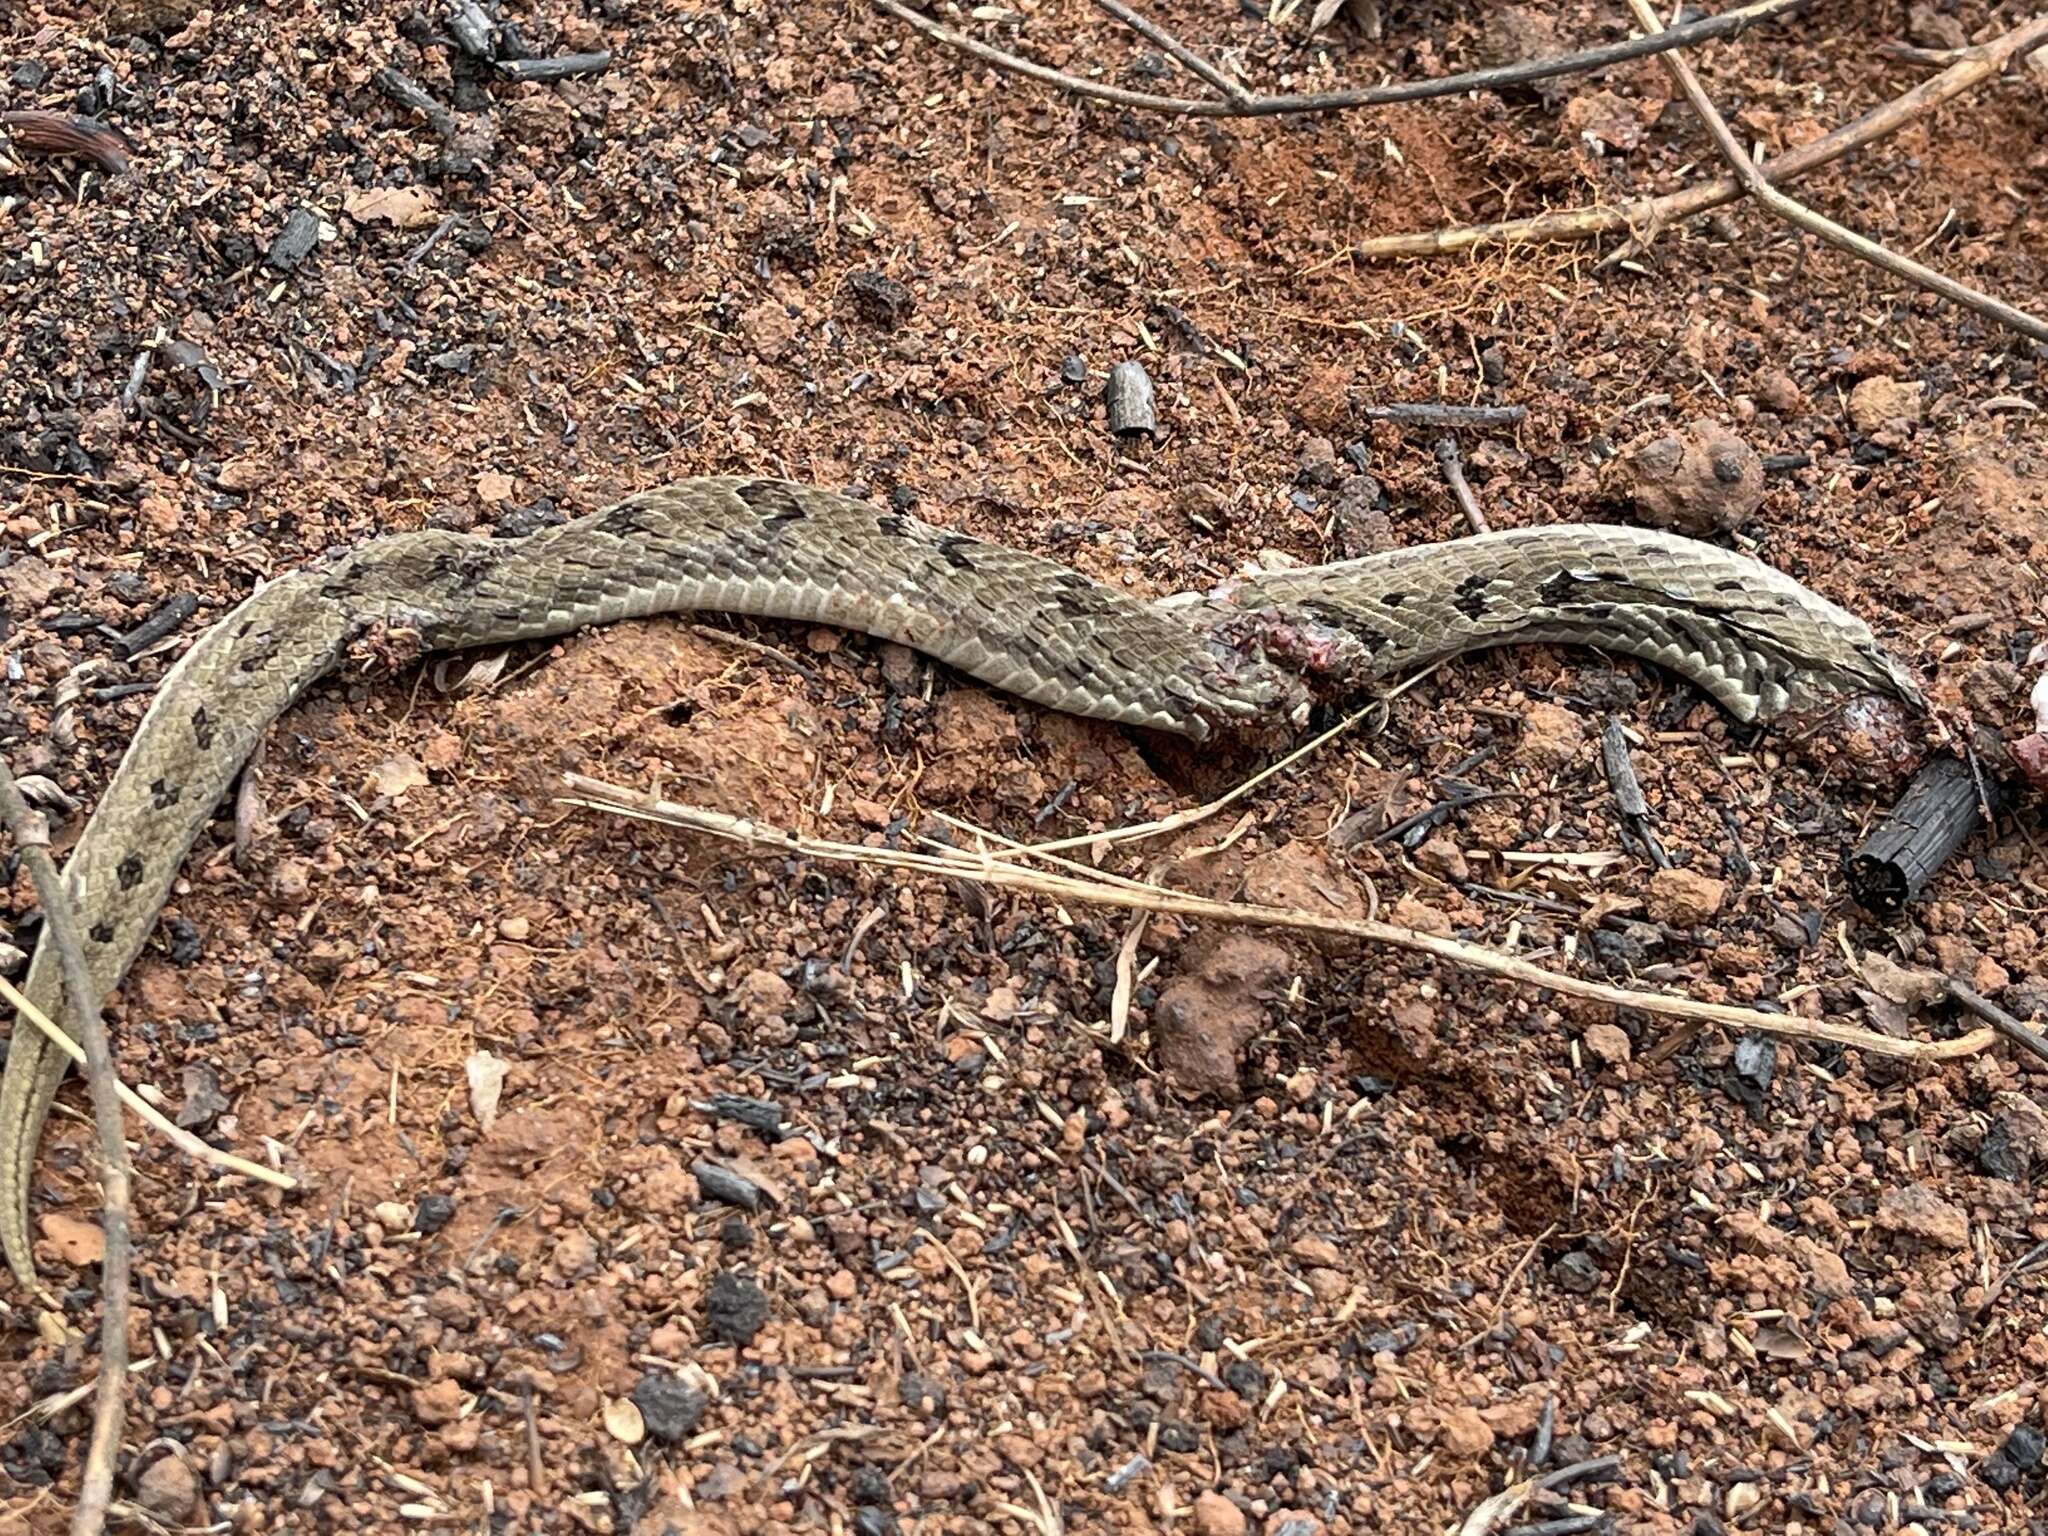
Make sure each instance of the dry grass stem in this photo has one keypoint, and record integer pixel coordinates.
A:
(986, 869)
(1645, 216)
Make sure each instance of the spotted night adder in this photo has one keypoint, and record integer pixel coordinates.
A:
(1750, 636)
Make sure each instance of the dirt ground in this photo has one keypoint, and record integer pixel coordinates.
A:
(822, 1199)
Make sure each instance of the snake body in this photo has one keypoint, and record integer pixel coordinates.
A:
(1753, 638)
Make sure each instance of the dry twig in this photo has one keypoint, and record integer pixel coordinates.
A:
(596, 794)
(1236, 102)
(31, 836)
(199, 1151)
(1795, 212)
(1977, 65)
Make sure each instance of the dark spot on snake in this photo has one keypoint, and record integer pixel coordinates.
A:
(129, 872)
(894, 526)
(102, 933)
(165, 793)
(1471, 598)
(1394, 599)
(954, 547)
(202, 729)
(1559, 588)
(625, 521)
(773, 500)
(1730, 585)
(466, 567)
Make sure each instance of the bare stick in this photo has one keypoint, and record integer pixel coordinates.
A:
(1435, 413)
(2025, 1036)
(1977, 65)
(1199, 813)
(596, 794)
(1152, 32)
(199, 1151)
(1726, 25)
(1453, 466)
(31, 834)
(1795, 212)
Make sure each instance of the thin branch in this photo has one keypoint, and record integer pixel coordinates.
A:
(1453, 466)
(2023, 1035)
(1978, 65)
(596, 794)
(31, 834)
(199, 1151)
(1152, 32)
(1727, 25)
(1795, 212)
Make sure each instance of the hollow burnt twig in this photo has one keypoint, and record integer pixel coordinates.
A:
(1936, 815)
(1790, 209)
(1979, 64)
(61, 929)
(1526, 72)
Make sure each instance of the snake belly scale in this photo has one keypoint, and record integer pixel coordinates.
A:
(1750, 636)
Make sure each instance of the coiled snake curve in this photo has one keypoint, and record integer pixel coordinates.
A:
(1753, 638)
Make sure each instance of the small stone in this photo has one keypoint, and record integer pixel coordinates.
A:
(1465, 1434)
(2016, 1141)
(393, 1215)
(435, 1212)
(1607, 1044)
(1882, 404)
(242, 475)
(1930, 28)
(575, 1255)
(880, 300)
(735, 1308)
(294, 242)
(1698, 481)
(1683, 898)
(1552, 737)
(763, 998)
(1317, 1250)
(515, 928)
(1441, 856)
(2021, 1453)
(78, 1243)
(670, 1407)
(1915, 1210)
(1204, 1018)
(168, 1489)
(1215, 1515)
(437, 1403)
(1775, 390)
(1577, 1273)
(921, 1395)
(204, 1102)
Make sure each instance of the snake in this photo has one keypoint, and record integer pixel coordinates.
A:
(1244, 653)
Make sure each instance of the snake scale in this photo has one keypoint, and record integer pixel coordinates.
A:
(1750, 636)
